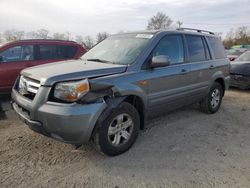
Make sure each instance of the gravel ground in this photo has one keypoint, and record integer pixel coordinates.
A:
(185, 148)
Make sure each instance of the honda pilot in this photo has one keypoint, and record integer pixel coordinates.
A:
(108, 95)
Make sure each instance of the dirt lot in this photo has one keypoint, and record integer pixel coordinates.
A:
(183, 149)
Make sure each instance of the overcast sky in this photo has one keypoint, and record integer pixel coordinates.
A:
(87, 17)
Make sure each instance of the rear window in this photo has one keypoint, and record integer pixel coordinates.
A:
(56, 52)
(195, 48)
(217, 47)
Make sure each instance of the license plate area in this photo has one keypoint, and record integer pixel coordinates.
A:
(21, 111)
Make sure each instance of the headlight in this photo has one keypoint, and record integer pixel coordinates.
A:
(71, 91)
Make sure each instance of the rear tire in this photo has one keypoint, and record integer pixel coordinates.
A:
(117, 132)
(211, 103)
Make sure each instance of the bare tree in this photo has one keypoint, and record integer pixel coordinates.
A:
(179, 23)
(239, 36)
(159, 21)
(88, 42)
(230, 35)
(12, 35)
(60, 36)
(101, 36)
(242, 35)
(219, 35)
(39, 34)
(79, 39)
(229, 39)
(241, 32)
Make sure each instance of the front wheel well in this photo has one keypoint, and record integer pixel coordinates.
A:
(139, 106)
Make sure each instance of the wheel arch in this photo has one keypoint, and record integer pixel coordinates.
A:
(112, 103)
(219, 78)
(137, 102)
(222, 83)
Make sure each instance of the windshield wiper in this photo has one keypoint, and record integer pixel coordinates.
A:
(100, 60)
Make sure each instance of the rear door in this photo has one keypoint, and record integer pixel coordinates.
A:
(14, 59)
(169, 86)
(202, 67)
(47, 53)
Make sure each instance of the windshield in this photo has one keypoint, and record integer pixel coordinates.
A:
(120, 49)
(244, 57)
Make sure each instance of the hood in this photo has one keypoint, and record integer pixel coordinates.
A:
(240, 67)
(48, 74)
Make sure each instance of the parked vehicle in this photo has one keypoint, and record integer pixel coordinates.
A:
(107, 96)
(233, 53)
(240, 71)
(247, 46)
(16, 56)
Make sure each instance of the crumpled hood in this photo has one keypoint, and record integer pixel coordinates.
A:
(240, 67)
(48, 74)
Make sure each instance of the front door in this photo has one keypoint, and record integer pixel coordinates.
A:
(169, 86)
(13, 60)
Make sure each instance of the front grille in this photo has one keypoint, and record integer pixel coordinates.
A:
(28, 87)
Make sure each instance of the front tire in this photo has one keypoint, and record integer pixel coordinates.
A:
(211, 103)
(117, 132)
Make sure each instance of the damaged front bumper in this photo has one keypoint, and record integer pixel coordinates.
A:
(69, 123)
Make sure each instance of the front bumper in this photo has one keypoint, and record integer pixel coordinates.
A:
(33, 125)
(69, 123)
(240, 81)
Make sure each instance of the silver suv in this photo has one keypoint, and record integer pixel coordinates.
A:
(107, 95)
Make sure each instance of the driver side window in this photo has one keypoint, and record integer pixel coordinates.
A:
(171, 46)
(18, 53)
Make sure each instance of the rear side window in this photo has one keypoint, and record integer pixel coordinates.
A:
(171, 46)
(56, 52)
(217, 47)
(195, 48)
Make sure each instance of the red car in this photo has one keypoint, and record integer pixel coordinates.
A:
(19, 55)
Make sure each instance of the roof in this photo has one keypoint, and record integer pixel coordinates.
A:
(3, 43)
(38, 41)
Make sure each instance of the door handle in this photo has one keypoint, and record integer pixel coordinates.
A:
(212, 67)
(183, 71)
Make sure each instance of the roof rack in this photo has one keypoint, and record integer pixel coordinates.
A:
(197, 30)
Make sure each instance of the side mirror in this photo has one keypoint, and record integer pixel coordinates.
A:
(160, 61)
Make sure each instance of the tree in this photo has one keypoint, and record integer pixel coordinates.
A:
(219, 35)
(60, 36)
(101, 36)
(159, 21)
(13, 35)
(39, 34)
(79, 39)
(239, 36)
(179, 23)
(88, 42)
